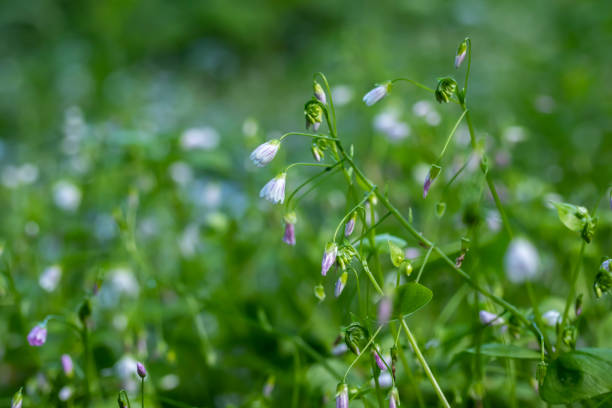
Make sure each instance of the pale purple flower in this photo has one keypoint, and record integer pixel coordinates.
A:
(141, 370)
(385, 308)
(289, 237)
(329, 257)
(264, 153)
(552, 317)
(319, 93)
(489, 319)
(340, 284)
(350, 226)
(459, 58)
(67, 365)
(379, 361)
(377, 94)
(521, 261)
(274, 190)
(342, 397)
(394, 398)
(38, 335)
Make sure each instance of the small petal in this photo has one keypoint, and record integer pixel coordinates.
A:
(379, 362)
(274, 190)
(289, 237)
(340, 284)
(350, 226)
(459, 58)
(329, 257)
(385, 308)
(67, 365)
(38, 335)
(265, 152)
(376, 94)
(552, 317)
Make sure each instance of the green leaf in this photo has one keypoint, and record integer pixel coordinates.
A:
(505, 350)
(411, 297)
(397, 254)
(578, 375)
(572, 216)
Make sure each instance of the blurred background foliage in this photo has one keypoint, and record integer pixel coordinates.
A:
(145, 112)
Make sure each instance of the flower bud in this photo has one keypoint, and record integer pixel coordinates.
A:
(319, 93)
(340, 284)
(356, 337)
(377, 93)
(569, 336)
(578, 305)
(141, 370)
(274, 190)
(385, 308)
(342, 397)
(440, 208)
(552, 317)
(603, 279)
(38, 335)
(329, 257)
(17, 399)
(269, 386)
(319, 292)
(85, 310)
(123, 400)
(317, 152)
(379, 361)
(461, 53)
(350, 225)
(394, 401)
(577, 218)
(67, 365)
(264, 153)
(489, 319)
(431, 176)
(407, 267)
(290, 221)
(314, 114)
(445, 89)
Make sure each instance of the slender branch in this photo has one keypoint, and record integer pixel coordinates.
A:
(424, 262)
(363, 351)
(572, 292)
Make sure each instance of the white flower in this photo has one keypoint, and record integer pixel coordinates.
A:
(551, 317)
(264, 153)
(274, 190)
(50, 278)
(65, 393)
(205, 138)
(66, 195)
(376, 94)
(489, 319)
(521, 260)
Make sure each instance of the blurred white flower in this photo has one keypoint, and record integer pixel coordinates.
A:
(66, 195)
(31, 228)
(181, 173)
(422, 108)
(339, 349)
(433, 118)
(169, 382)
(65, 393)
(514, 134)
(545, 104)
(50, 278)
(551, 317)
(124, 281)
(250, 127)
(120, 322)
(384, 380)
(521, 260)
(205, 138)
(376, 94)
(388, 122)
(489, 319)
(342, 94)
(27, 173)
(189, 239)
(493, 220)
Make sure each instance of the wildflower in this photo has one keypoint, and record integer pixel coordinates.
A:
(329, 257)
(264, 153)
(50, 278)
(340, 284)
(384, 310)
(379, 361)
(431, 176)
(17, 399)
(317, 152)
(67, 195)
(377, 93)
(521, 260)
(314, 114)
(67, 365)
(350, 225)
(274, 190)
(342, 397)
(461, 53)
(38, 335)
(394, 398)
(290, 220)
(204, 138)
(65, 393)
(319, 93)
(141, 370)
(552, 317)
(489, 319)
(445, 89)
(269, 386)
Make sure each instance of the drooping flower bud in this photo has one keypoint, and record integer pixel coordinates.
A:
(17, 399)
(141, 370)
(340, 284)
(394, 400)
(314, 114)
(379, 361)
(67, 365)
(290, 221)
(317, 152)
(85, 310)
(489, 319)
(349, 227)
(269, 386)
(445, 89)
(342, 396)
(431, 176)
(264, 153)
(38, 335)
(541, 372)
(356, 337)
(319, 93)
(603, 279)
(461, 53)
(274, 190)
(377, 93)
(329, 257)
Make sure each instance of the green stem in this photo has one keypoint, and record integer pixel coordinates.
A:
(424, 262)
(311, 135)
(537, 316)
(350, 212)
(379, 396)
(85, 339)
(571, 294)
(424, 364)
(415, 83)
(331, 99)
(415, 386)
(450, 136)
(307, 165)
(363, 351)
(142, 393)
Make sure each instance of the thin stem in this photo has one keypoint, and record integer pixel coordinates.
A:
(85, 339)
(417, 390)
(372, 278)
(349, 213)
(415, 83)
(367, 231)
(363, 351)
(450, 136)
(327, 172)
(314, 136)
(537, 316)
(331, 99)
(424, 364)
(142, 393)
(572, 292)
(307, 165)
(424, 262)
(469, 65)
(379, 396)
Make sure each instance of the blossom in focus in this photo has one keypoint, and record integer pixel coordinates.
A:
(274, 190)
(329, 257)
(377, 94)
(264, 153)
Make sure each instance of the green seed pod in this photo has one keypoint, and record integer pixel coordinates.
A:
(314, 114)
(445, 89)
(440, 208)
(541, 372)
(356, 337)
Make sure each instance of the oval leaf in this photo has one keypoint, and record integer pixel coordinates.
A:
(411, 297)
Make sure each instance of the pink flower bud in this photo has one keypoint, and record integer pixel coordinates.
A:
(38, 335)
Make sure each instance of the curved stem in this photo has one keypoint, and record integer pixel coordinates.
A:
(331, 99)
(424, 364)
(348, 214)
(363, 351)
(311, 135)
(306, 165)
(415, 83)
